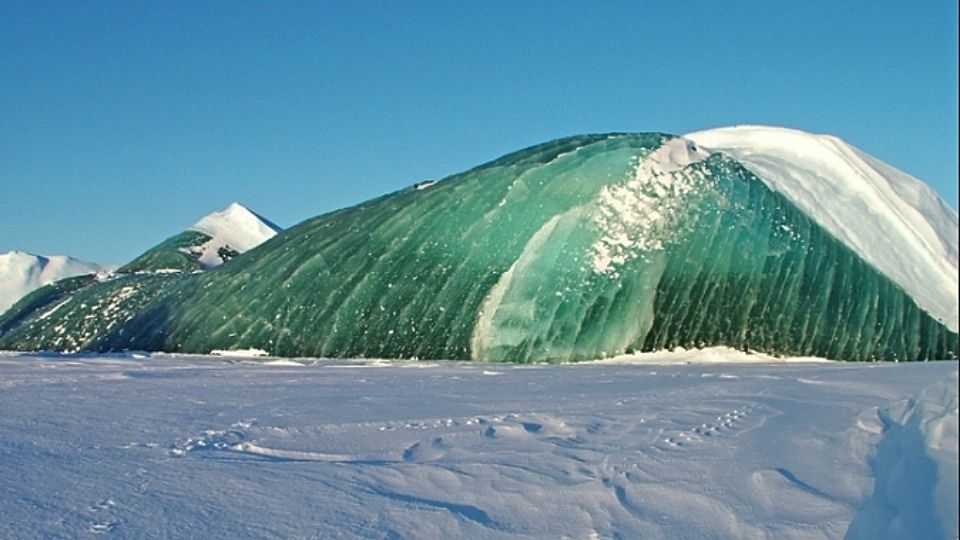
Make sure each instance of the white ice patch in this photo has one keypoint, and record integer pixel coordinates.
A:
(240, 353)
(889, 218)
(235, 228)
(635, 216)
(484, 332)
(54, 309)
(710, 355)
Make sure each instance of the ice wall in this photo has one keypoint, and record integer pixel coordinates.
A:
(586, 247)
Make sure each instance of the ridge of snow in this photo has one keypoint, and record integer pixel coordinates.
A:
(915, 465)
(710, 355)
(21, 273)
(235, 227)
(892, 220)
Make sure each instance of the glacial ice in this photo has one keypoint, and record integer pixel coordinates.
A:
(586, 247)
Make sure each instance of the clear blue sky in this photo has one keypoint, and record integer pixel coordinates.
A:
(122, 123)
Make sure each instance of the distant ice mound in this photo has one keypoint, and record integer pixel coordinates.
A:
(215, 239)
(891, 219)
(234, 229)
(21, 273)
(586, 247)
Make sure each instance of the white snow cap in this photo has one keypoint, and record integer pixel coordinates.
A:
(21, 273)
(892, 220)
(235, 227)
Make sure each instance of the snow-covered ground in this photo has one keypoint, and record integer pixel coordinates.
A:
(200, 447)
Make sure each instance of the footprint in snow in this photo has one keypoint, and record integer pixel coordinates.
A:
(728, 423)
(104, 527)
(425, 451)
(106, 522)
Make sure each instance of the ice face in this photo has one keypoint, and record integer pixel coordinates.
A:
(582, 248)
(893, 221)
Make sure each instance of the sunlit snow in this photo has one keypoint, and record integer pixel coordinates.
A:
(234, 227)
(891, 219)
(164, 446)
(21, 273)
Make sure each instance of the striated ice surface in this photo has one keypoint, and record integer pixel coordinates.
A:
(892, 220)
(586, 247)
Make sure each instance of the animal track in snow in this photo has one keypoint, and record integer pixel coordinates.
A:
(301, 443)
(728, 423)
(105, 504)
(212, 439)
(104, 521)
(103, 527)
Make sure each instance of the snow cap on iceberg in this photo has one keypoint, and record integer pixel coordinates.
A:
(892, 220)
(234, 228)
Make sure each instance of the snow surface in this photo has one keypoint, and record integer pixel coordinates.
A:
(891, 219)
(199, 447)
(235, 227)
(22, 272)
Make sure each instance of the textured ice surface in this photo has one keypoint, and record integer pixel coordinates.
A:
(586, 247)
(892, 220)
(230, 448)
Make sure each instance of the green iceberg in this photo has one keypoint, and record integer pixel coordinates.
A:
(581, 248)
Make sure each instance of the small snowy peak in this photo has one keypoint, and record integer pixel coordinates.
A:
(232, 231)
(21, 273)
(892, 220)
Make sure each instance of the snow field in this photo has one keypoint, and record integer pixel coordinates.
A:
(193, 447)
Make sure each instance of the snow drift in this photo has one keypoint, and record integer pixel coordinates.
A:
(190, 447)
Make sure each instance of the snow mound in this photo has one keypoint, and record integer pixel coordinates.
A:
(892, 220)
(239, 353)
(21, 273)
(235, 228)
(915, 492)
(708, 355)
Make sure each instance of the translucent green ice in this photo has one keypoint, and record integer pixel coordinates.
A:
(581, 248)
(178, 252)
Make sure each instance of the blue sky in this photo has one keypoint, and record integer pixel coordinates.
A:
(124, 123)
